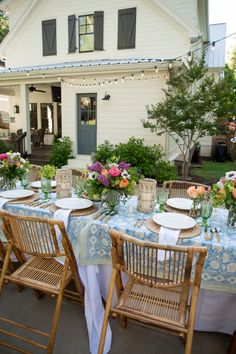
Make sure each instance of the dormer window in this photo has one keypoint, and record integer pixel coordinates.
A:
(86, 33)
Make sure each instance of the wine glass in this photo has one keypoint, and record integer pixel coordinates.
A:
(162, 197)
(46, 188)
(206, 211)
(24, 180)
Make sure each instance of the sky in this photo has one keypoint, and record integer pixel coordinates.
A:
(224, 11)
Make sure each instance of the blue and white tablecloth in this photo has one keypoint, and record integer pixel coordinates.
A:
(90, 238)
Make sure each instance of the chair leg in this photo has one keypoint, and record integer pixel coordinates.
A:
(107, 312)
(57, 309)
(5, 265)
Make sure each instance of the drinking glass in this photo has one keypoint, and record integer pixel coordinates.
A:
(206, 211)
(162, 197)
(46, 188)
(24, 180)
(80, 187)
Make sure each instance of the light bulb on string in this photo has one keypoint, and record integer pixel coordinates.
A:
(123, 79)
(213, 46)
(170, 65)
(142, 74)
(132, 77)
(156, 70)
(189, 57)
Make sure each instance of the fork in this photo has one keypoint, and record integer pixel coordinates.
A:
(217, 231)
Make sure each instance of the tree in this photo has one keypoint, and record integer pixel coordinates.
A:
(4, 26)
(187, 111)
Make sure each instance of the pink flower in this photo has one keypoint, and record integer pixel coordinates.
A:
(114, 171)
(3, 156)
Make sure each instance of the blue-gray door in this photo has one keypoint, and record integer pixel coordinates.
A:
(87, 123)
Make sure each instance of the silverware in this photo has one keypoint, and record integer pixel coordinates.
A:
(206, 234)
(211, 234)
(98, 213)
(44, 206)
(217, 231)
(103, 215)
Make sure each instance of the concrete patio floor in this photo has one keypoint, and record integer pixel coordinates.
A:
(72, 335)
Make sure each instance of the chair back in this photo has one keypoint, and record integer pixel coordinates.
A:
(154, 264)
(178, 189)
(34, 173)
(36, 236)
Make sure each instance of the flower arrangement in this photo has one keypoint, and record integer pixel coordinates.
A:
(196, 193)
(48, 171)
(119, 176)
(224, 191)
(12, 165)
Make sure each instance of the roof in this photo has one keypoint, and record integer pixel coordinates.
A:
(216, 58)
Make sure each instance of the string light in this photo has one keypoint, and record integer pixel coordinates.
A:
(213, 46)
(170, 65)
(27, 73)
(43, 76)
(156, 69)
(142, 74)
(189, 57)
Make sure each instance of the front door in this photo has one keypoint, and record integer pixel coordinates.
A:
(87, 123)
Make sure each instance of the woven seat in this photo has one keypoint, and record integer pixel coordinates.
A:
(42, 271)
(178, 189)
(162, 287)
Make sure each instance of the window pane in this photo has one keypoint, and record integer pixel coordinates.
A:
(90, 29)
(89, 19)
(86, 42)
(82, 20)
(82, 29)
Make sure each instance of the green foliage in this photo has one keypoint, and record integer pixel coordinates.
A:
(144, 158)
(6, 146)
(104, 152)
(187, 111)
(166, 171)
(48, 171)
(213, 171)
(4, 26)
(61, 152)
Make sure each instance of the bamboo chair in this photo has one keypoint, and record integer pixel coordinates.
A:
(157, 292)
(39, 238)
(77, 175)
(178, 189)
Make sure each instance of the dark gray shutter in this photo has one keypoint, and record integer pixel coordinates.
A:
(98, 30)
(126, 28)
(71, 34)
(49, 37)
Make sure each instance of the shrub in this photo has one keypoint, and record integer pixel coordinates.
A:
(61, 152)
(104, 152)
(145, 158)
(6, 146)
(165, 171)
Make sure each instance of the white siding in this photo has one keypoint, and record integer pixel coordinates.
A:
(119, 118)
(156, 35)
(184, 9)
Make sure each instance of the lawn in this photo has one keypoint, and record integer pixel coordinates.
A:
(211, 170)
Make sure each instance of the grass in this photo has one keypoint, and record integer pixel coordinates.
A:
(213, 170)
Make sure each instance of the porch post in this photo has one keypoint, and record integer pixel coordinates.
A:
(55, 119)
(24, 92)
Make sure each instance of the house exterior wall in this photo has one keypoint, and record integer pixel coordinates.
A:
(119, 118)
(156, 35)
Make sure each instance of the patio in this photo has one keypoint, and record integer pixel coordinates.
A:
(72, 335)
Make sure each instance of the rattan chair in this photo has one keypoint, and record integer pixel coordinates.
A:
(42, 271)
(157, 291)
(34, 173)
(77, 175)
(178, 189)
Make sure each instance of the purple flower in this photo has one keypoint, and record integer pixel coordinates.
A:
(124, 165)
(104, 180)
(96, 167)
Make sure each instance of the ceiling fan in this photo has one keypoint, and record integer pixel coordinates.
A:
(32, 88)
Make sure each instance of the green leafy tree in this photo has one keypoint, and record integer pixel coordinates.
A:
(187, 111)
(4, 26)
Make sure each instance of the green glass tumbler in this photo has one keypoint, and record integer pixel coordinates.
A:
(46, 187)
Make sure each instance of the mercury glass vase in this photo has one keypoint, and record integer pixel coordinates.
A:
(7, 183)
(231, 220)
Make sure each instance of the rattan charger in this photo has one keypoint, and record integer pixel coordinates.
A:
(187, 233)
(81, 212)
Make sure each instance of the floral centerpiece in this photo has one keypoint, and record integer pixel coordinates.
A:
(119, 176)
(12, 167)
(224, 193)
(196, 194)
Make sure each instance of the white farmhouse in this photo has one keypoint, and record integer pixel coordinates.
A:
(89, 68)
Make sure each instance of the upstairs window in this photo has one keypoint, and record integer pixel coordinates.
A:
(91, 28)
(126, 28)
(49, 37)
(86, 33)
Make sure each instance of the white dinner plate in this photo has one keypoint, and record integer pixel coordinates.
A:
(73, 203)
(180, 203)
(37, 184)
(174, 221)
(16, 193)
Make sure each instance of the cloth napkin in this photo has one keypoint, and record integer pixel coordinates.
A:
(63, 215)
(167, 237)
(3, 201)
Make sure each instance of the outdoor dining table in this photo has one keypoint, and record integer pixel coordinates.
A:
(90, 240)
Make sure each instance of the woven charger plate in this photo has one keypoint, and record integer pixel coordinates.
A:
(189, 233)
(81, 212)
(175, 210)
(27, 200)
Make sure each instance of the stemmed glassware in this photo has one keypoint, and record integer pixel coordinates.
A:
(206, 211)
(162, 197)
(46, 187)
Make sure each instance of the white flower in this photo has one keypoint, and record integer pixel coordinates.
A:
(125, 175)
(220, 185)
(92, 175)
(15, 154)
(230, 175)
